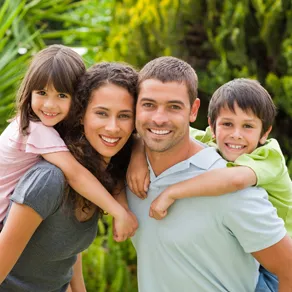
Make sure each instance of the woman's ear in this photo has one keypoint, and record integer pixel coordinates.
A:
(265, 136)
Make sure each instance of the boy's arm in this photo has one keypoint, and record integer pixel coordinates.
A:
(212, 183)
(138, 177)
(77, 282)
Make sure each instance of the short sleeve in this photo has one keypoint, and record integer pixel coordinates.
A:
(266, 161)
(41, 140)
(41, 188)
(253, 220)
(202, 136)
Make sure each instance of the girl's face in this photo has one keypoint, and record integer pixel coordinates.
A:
(109, 119)
(50, 106)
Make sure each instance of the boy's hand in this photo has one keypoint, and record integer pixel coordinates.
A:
(138, 178)
(158, 208)
(124, 226)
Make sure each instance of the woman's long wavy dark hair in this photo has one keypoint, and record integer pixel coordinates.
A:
(97, 76)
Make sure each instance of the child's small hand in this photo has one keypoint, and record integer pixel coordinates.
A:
(124, 226)
(158, 208)
(138, 178)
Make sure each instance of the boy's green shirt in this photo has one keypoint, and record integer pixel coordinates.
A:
(269, 165)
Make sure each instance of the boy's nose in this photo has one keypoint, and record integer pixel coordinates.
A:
(236, 134)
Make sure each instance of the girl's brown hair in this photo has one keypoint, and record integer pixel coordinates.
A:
(55, 65)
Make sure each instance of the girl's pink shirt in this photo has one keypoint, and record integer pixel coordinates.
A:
(18, 153)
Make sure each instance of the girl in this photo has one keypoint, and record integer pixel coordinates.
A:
(40, 252)
(45, 98)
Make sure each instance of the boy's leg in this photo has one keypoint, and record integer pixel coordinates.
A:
(267, 282)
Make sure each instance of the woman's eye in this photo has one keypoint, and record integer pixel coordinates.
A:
(124, 116)
(101, 114)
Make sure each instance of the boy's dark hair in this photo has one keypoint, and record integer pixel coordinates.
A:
(171, 69)
(97, 76)
(55, 65)
(249, 95)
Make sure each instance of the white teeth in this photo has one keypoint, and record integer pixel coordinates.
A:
(49, 114)
(160, 132)
(235, 146)
(110, 140)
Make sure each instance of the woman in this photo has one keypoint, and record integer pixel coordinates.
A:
(38, 254)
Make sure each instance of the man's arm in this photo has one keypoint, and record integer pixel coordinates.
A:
(278, 260)
(77, 282)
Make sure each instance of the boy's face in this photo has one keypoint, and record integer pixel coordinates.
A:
(238, 133)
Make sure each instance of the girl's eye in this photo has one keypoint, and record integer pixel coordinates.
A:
(63, 95)
(41, 92)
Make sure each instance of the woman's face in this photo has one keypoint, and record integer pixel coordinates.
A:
(109, 119)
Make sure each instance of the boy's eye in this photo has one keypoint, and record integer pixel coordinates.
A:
(227, 124)
(248, 126)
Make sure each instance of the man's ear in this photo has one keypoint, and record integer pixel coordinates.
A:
(211, 127)
(265, 136)
(194, 110)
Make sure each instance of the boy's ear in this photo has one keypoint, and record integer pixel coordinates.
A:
(265, 136)
(194, 110)
(211, 127)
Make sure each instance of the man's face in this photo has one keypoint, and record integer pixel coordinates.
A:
(238, 132)
(163, 114)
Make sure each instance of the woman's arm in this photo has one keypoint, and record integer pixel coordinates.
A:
(87, 185)
(211, 183)
(77, 282)
(22, 221)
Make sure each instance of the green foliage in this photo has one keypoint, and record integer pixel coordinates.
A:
(109, 266)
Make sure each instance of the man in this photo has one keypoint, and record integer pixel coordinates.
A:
(205, 243)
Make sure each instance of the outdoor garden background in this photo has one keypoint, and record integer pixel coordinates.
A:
(221, 39)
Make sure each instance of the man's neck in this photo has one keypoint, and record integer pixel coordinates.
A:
(161, 161)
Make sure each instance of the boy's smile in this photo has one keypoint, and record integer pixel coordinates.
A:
(238, 132)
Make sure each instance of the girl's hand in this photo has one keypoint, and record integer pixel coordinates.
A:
(158, 208)
(124, 226)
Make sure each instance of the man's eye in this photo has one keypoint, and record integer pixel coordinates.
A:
(175, 107)
(147, 104)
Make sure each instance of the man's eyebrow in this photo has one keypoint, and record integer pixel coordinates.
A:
(169, 101)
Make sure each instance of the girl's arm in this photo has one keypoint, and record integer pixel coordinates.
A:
(22, 221)
(77, 282)
(211, 183)
(138, 178)
(86, 184)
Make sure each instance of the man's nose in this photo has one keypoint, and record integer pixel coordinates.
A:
(160, 117)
